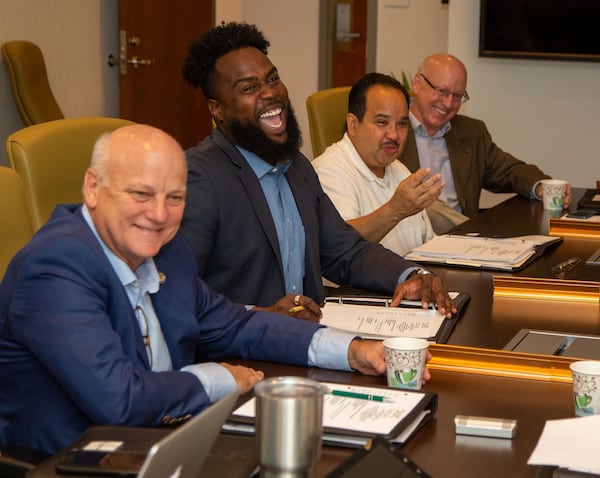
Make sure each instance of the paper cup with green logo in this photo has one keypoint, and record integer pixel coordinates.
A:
(405, 359)
(586, 387)
(553, 194)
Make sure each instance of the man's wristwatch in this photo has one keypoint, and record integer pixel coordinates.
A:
(420, 271)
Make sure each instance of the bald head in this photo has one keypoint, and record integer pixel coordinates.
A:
(445, 65)
(439, 88)
(129, 144)
(135, 191)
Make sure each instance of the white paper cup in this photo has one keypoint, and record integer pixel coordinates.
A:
(586, 387)
(553, 195)
(405, 359)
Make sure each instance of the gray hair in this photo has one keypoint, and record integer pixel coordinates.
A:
(100, 154)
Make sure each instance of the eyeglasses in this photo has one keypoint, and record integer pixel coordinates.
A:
(143, 322)
(462, 97)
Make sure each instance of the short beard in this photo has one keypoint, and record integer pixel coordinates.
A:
(254, 139)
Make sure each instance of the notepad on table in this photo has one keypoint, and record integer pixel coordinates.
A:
(350, 421)
(371, 317)
(510, 253)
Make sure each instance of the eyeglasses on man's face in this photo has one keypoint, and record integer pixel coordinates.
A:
(462, 97)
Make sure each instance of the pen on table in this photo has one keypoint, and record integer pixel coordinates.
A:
(567, 265)
(361, 396)
(298, 308)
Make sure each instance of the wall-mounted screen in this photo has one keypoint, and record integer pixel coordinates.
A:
(546, 29)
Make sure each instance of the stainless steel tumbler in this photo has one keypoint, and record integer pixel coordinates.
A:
(289, 426)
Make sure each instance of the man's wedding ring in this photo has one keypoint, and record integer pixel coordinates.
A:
(297, 300)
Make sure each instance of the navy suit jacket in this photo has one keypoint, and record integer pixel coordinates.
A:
(477, 163)
(71, 351)
(228, 224)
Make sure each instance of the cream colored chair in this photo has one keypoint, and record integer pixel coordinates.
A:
(15, 224)
(51, 159)
(29, 82)
(327, 111)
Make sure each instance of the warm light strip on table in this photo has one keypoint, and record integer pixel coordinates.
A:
(547, 289)
(574, 228)
(500, 363)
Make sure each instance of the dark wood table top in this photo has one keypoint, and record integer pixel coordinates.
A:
(492, 323)
(436, 448)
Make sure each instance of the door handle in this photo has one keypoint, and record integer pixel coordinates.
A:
(346, 36)
(133, 61)
(123, 61)
(137, 62)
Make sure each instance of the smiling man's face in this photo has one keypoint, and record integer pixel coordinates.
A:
(430, 107)
(137, 203)
(252, 107)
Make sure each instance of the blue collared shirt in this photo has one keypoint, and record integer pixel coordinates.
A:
(139, 284)
(433, 153)
(288, 223)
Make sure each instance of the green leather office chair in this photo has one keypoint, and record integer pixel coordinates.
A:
(51, 159)
(29, 82)
(15, 223)
(327, 111)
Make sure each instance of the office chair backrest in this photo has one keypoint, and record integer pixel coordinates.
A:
(29, 81)
(15, 224)
(327, 111)
(51, 159)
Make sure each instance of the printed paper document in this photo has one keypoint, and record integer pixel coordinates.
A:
(371, 321)
(358, 415)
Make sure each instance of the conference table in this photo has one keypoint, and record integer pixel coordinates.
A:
(489, 323)
(486, 324)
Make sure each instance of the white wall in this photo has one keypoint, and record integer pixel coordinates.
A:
(406, 35)
(228, 11)
(73, 35)
(544, 112)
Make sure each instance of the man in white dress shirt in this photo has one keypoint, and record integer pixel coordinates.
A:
(373, 192)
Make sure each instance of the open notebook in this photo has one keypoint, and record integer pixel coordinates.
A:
(371, 317)
(179, 454)
(508, 254)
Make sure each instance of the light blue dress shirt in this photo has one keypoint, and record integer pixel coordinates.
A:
(288, 223)
(139, 284)
(433, 153)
